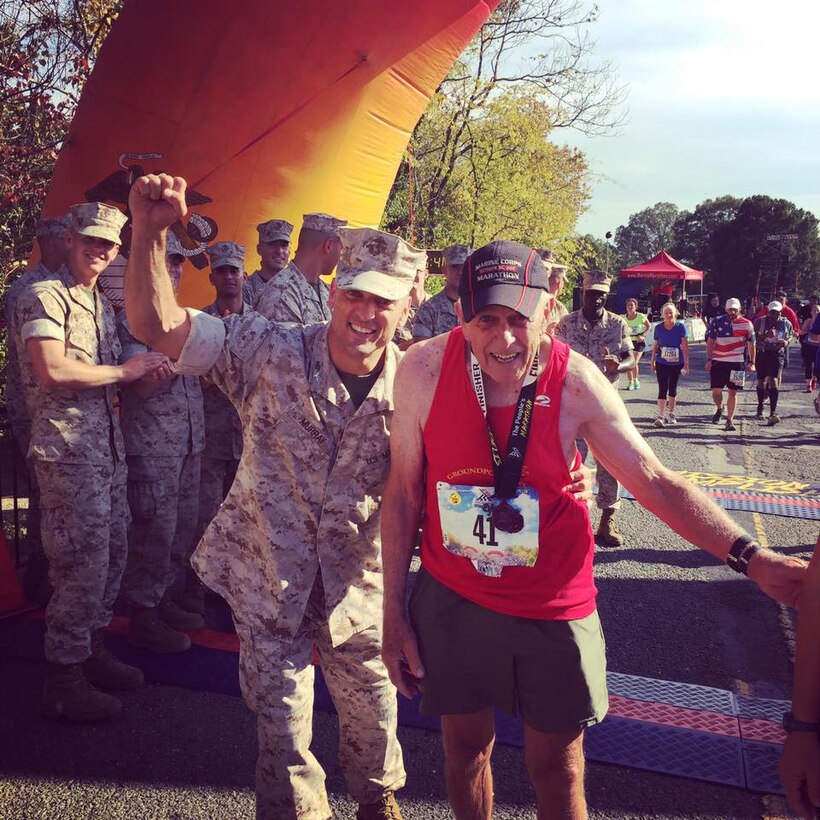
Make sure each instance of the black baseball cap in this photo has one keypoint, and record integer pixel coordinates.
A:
(503, 273)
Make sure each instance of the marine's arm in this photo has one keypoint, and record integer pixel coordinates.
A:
(594, 412)
(155, 201)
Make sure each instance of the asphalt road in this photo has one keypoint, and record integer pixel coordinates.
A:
(669, 611)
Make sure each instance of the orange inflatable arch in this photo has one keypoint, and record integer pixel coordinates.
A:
(268, 109)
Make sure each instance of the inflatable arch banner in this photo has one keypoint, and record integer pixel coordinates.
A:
(268, 109)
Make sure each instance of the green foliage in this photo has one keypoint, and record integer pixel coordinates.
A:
(646, 234)
(693, 231)
(47, 49)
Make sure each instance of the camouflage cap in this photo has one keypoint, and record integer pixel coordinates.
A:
(597, 280)
(98, 219)
(456, 254)
(53, 226)
(173, 247)
(556, 270)
(323, 222)
(227, 253)
(274, 230)
(377, 262)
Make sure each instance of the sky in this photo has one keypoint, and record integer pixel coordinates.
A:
(723, 98)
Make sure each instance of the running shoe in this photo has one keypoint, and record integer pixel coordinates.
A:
(774, 419)
(729, 425)
(629, 386)
(670, 419)
(637, 385)
(659, 422)
(718, 414)
(759, 413)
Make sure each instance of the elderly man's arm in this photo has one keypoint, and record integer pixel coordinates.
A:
(156, 201)
(800, 765)
(601, 419)
(401, 512)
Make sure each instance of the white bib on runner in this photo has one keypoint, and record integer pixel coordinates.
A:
(468, 530)
(670, 354)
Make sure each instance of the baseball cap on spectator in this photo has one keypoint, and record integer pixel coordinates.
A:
(503, 273)
(733, 303)
(775, 305)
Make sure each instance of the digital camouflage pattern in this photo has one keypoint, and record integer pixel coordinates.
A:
(84, 522)
(322, 222)
(98, 219)
(289, 779)
(612, 333)
(163, 496)
(226, 253)
(223, 444)
(275, 230)
(253, 286)
(67, 425)
(557, 312)
(168, 423)
(436, 316)
(305, 505)
(310, 481)
(289, 297)
(15, 395)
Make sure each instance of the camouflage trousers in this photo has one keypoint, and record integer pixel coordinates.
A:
(608, 496)
(214, 474)
(84, 517)
(163, 494)
(277, 683)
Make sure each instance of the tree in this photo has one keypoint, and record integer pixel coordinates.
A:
(646, 234)
(569, 89)
(510, 181)
(747, 261)
(693, 231)
(47, 49)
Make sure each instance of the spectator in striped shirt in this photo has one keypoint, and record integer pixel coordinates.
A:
(730, 354)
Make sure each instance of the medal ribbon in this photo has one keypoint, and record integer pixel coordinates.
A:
(507, 471)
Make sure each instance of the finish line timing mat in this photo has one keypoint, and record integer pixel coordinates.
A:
(683, 729)
(793, 499)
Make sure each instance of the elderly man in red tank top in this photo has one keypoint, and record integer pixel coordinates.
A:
(503, 612)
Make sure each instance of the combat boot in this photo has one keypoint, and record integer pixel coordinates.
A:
(193, 595)
(102, 669)
(178, 618)
(67, 694)
(385, 809)
(608, 535)
(148, 631)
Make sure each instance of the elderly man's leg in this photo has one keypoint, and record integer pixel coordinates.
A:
(555, 762)
(468, 744)
(277, 683)
(369, 751)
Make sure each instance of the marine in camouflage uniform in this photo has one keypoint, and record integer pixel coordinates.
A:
(223, 444)
(297, 293)
(51, 239)
(604, 337)
(164, 438)
(274, 250)
(438, 314)
(295, 548)
(79, 457)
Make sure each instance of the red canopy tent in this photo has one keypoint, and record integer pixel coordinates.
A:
(664, 267)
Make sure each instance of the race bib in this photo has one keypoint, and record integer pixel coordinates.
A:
(469, 532)
(738, 378)
(670, 354)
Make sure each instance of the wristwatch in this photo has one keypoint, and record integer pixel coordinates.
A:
(792, 724)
